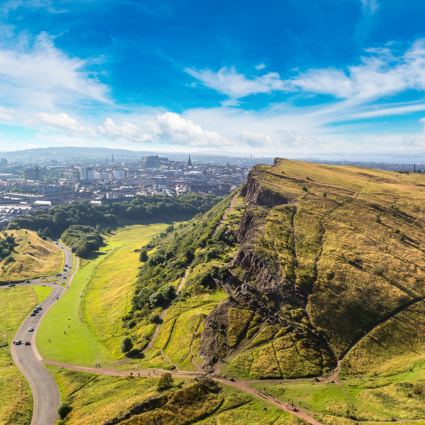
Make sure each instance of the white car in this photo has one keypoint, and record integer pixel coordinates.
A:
(17, 342)
(37, 307)
(30, 329)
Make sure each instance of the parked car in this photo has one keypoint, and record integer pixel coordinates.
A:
(27, 343)
(30, 329)
(11, 284)
(17, 342)
(38, 307)
(58, 274)
(27, 281)
(64, 277)
(66, 265)
(35, 311)
(32, 314)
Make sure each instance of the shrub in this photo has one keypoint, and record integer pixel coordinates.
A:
(156, 299)
(324, 195)
(64, 409)
(143, 257)
(305, 189)
(108, 230)
(401, 236)
(154, 318)
(126, 344)
(378, 218)
(169, 292)
(418, 389)
(8, 260)
(165, 382)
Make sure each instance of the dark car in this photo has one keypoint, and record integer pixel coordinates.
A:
(27, 281)
(35, 311)
(10, 285)
(17, 342)
(64, 277)
(32, 314)
(58, 274)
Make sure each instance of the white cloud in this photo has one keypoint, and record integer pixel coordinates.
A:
(255, 139)
(40, 75)
(125, 130)
(168, 128)
(260, 66)
(228, 81)
(294, 139)
(63, 122)
(174, 129)
(379, 75)
(369, 6)
(6, 114)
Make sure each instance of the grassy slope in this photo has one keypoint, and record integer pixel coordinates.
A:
(15, 395)
(84, 343)
(94, 400)
(33, 257)
(393, 347)
(179, 335)
(364, 272)
(107, 298)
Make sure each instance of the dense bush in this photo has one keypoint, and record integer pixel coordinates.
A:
(165, 382)
(126, 345)
(7, 246)
(64, 409)
(83, 240)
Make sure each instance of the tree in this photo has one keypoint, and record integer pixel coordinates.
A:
(108, 230)
(154, 318)
(126, 344)
(47, 232)
(169, 228)
(165, 382)
(143, 256)
(169, 292)
(156, 299)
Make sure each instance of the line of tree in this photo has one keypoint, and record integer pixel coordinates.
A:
(59, 218)
(82, 239)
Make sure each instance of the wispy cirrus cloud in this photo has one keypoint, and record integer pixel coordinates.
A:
(380, 74)
(37, 74)
(228, 81)
(369, 6)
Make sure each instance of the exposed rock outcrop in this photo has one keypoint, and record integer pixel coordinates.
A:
(256, 194)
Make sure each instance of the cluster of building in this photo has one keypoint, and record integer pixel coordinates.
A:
(24, 189)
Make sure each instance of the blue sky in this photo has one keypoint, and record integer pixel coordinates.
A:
(244, 77)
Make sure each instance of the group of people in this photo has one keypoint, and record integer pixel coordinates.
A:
(97, 365)
(287, 400)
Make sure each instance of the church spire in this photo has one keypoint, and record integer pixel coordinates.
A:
(189, 163)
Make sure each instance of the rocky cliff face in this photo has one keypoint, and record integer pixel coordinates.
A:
(256, 194)
(263, 288)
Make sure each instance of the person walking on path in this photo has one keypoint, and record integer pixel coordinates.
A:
(286, 405)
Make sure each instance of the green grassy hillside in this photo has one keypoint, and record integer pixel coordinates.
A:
(309, 258)
(32, 257)
(93, 400)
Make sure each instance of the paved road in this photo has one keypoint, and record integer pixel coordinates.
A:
(45, 392)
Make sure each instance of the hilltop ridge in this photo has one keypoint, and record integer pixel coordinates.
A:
(309, 258)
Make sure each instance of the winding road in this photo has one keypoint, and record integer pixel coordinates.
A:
(45, 391)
